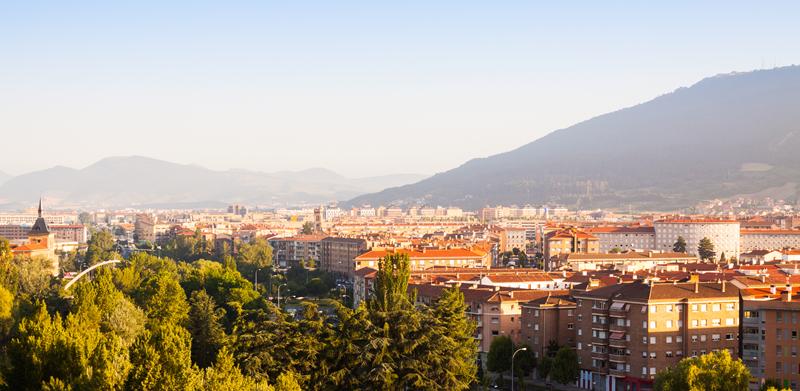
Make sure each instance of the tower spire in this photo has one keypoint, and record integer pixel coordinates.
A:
(40, 206)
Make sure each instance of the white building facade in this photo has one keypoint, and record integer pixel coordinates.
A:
(724, 234)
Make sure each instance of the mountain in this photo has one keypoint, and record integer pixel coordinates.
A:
(145, 182)
(4, 177)
(726, 135)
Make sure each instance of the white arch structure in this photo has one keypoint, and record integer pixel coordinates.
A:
(78, 277)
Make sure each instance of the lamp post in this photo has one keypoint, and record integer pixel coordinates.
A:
(512, 365)
(255, 284)
(279, 294)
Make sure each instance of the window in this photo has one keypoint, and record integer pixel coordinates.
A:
(716, 307)
(644, 354)
(730, 321)
(794, 334)
(669, 324)
(644, 340)
(668, 353)
(715, 337)
(729, 337)
(580, 332)
(703, 307)
(668, 307)
(536, 327)
(668, 339)
(644, 371)
(730, 306)
(694, 323)
(535, 312)
(702, 337)
(679, 339)
(694, 307)
(652, 324)
(652, 309)
(569, 312)
(680, 324)
(652, 370)
(579, 346)
(703, 322)
(694, 338)
(652, 340)
(716, 322)
(644, 324)
(495, 332)
(652, 354)
(570, 326)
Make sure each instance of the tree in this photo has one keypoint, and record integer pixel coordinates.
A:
(254, 255)
(100, 248)
(208, 336)
(162, 360)
(544, 367)
(454, 333)
(163, 299)
(680, 245)
(565, 366)
(225, 375)
(712, 371)
(85, 218)
(615, 250)
(499, 358)
(705, 249)
(722, 258)
(308, 228)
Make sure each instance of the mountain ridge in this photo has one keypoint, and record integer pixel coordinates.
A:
(669, 152)
(124, 181)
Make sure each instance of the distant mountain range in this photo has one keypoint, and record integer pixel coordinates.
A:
(4, 177)
(144, 182)
(727, 135)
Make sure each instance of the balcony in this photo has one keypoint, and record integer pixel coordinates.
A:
(601, 341)
(618, 358)
(617, 372)
(600, 355)
(614, 328)
(618, 343)
(617, 313)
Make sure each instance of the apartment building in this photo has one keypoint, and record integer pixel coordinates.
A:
(568, 241)
(292, 250)
(430, 258)
(769, 239)
(511, 238)
(770, 334)
(550, 318)
(723, 233)
(626, 333)
(337, 254)
(624, 238)
(626, 262)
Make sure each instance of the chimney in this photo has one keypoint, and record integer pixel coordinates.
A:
(697, 286)
(788, 292)
(763, 278)
(511, 294)
(723, 286)
(772, 289)
(564, 273)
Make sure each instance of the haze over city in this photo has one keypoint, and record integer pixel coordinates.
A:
(413, 87)
(325, 195)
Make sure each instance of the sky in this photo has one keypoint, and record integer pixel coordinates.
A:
(361, 88)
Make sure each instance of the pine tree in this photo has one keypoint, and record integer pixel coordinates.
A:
(208, 336)
(456, 348)
(705, 249)
(680, 245)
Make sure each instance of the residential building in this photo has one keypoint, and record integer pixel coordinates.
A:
(338, 254)
(550, 318)
(769, 239)
(627, 332)
(625, 262)
(430, 258)
(624, 238)
(724, 234)
(568, 241)
(291, 251)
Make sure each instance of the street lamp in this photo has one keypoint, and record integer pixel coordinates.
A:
(255, 284)
(279, 294)
(512, 366)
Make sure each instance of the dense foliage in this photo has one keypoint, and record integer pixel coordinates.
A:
(712, 371)
(156, 324)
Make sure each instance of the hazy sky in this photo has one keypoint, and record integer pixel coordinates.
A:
(362, 88)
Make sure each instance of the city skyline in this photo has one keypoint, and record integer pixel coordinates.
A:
(149, 80)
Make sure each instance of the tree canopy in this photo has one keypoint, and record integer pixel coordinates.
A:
(712, 371)
(705, 249)
(680, 245)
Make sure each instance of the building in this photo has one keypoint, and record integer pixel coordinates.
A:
(769, 239)
(429, 258)
(625, 262)
(550, 318)
(627, 332)
(41, 243)
(511, 238)
(624, 238)
(759, 257)
(724, 234)
(292, 250)
(770, 341)
(337, 254)
(568, 241)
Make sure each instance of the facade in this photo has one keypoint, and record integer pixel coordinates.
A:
(723, 233)
(625, 262)
(769, 239)
(41, 243)
(511, 238)
(337, 254)
(770, 341)
(568, 241)
(624, 238)
(628, 332)
(550, 318)
(292, 250)
(427, 259)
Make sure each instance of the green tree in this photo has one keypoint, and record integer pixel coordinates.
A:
(208, 336)
(163, 299)
(85, 218)
(565, 366)
(705, 249)
(615, 250)
(225, 375)
(161, 360)
(712, 371)
(499, 358)
(252, 256)
(100, 248)
(308, 228)
(680, 245)
(455, 341)
(722, 258)
(544, 367)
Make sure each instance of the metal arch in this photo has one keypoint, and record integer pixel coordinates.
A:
(69, 284)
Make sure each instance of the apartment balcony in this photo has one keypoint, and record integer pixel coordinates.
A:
(617, 313)
(618, 343)
(600, 355)
(614, 328)
(617, 372)
(621, 358)
(601, 341)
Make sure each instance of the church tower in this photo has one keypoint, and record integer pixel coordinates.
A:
(40, 233)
